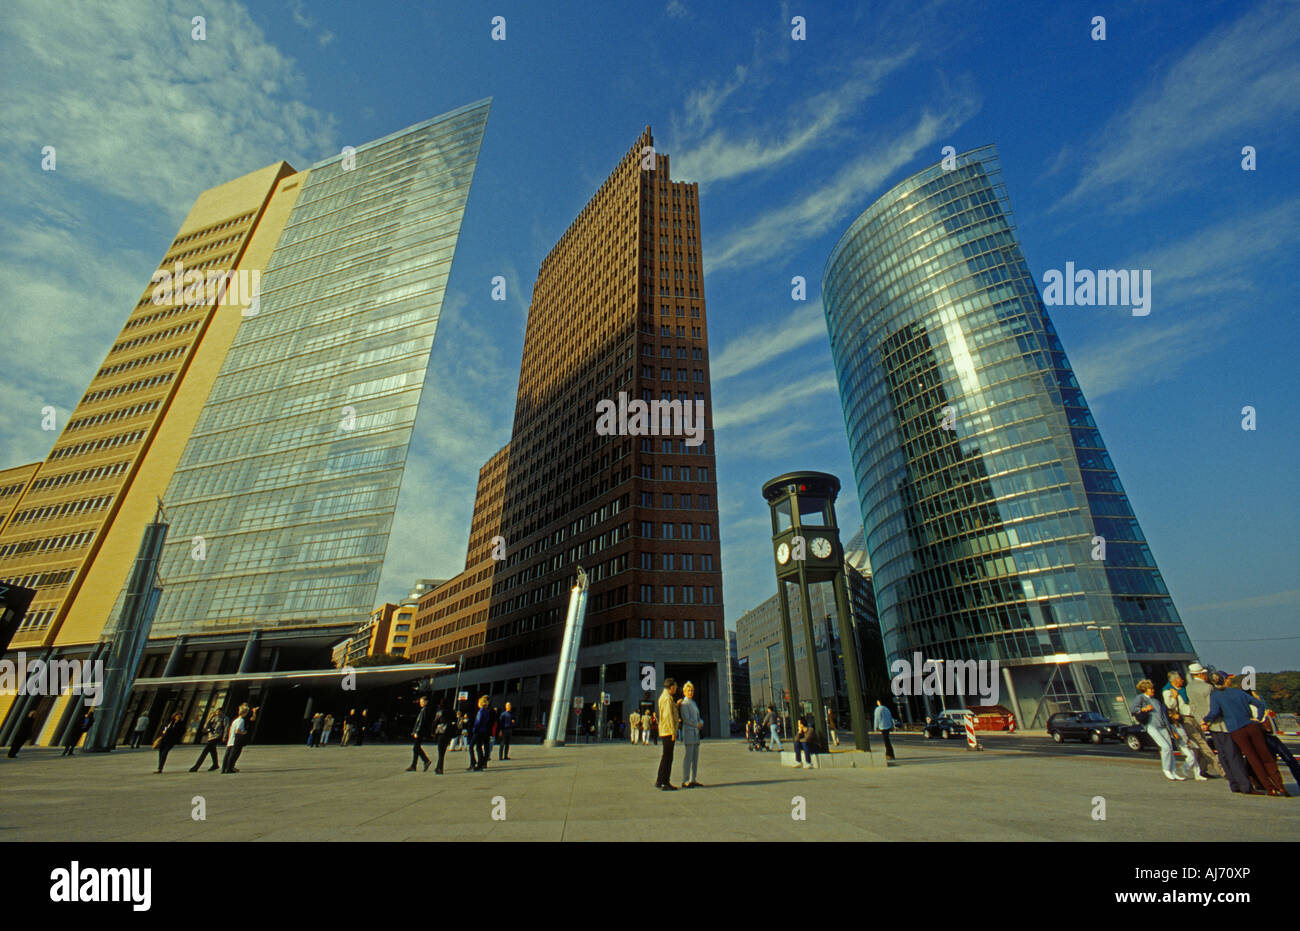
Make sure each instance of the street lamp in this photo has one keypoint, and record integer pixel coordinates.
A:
(938, 668)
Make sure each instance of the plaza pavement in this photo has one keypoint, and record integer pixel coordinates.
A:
(938, 791)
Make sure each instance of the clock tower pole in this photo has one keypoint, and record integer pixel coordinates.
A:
(807, 550)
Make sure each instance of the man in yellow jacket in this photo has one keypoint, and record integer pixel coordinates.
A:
(670, 719)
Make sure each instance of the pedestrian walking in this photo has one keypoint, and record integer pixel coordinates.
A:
(770, 725)
(1150, 712)
(692, 733)
(362, 723)
(239, 736)
(444, 732)
(170, 737)
(480, 733)
(883, 719)
(1196, 693)
(138, 732)
(1174, 695)
(462, 734)
(317, 725)
(1233, 706)
(655, 718)
(806, 741)
(634, 726)
(419, 731)
(74, 733)
(22, 733)
(349, 724)
(505, 732)
(1231, 762)
(668, 721)
(327, 730)
(214, 732)
(830, 726)
(1276, 747)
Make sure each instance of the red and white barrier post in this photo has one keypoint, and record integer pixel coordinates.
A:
(972, 742)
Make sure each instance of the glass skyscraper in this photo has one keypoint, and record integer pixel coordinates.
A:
(281, 506)
(982, 478)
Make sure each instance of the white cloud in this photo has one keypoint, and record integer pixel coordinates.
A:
(759, 405)
(760, 345)
(182, 114)
(1222, 94)
(724, 154)
(1289, 598)
(1142, 352)
(137, 137)
(465, 417)
(785, 229)
(1238, 246)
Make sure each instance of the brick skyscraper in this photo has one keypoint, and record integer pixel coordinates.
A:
(618, 307)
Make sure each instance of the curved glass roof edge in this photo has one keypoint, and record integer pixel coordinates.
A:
(484, 102)
(986, 155)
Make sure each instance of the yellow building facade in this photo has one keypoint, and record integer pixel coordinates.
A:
(72, 524)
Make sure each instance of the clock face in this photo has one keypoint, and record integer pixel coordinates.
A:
(783, 553)
(821, 547)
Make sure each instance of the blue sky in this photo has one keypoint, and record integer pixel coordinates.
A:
(1123, 153)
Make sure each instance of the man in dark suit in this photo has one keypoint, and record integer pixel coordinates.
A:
(419, 731)
(505, 730)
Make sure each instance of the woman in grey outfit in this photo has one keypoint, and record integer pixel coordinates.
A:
(692, 729)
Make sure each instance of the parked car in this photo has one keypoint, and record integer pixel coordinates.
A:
(1287, 724)
(948, 724)
(1135, 737)
(1088, 726)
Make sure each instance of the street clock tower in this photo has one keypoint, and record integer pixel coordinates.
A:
(806, 549)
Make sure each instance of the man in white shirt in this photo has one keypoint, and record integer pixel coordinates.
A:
(237, 738)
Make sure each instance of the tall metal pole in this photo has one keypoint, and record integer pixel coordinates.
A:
(600, 701)
(857, 707)
(568, 662)
(787, 648)
(810, 647)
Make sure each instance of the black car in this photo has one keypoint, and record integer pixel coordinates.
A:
(1135, 737)
(945, 726)
(1088, 726)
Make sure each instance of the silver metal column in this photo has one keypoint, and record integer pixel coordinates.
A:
(559, 717)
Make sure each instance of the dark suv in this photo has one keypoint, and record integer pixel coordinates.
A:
(1088, 726)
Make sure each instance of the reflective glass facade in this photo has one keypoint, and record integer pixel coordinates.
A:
(292, 473)
(981, 475)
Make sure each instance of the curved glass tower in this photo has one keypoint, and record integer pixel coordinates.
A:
(983, 480)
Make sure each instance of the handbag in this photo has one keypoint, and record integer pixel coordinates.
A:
(157, 742)
(1142, 717)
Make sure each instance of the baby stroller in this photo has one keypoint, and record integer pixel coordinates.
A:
(758, 740)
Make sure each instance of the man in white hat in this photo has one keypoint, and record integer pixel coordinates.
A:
(1198, 699)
